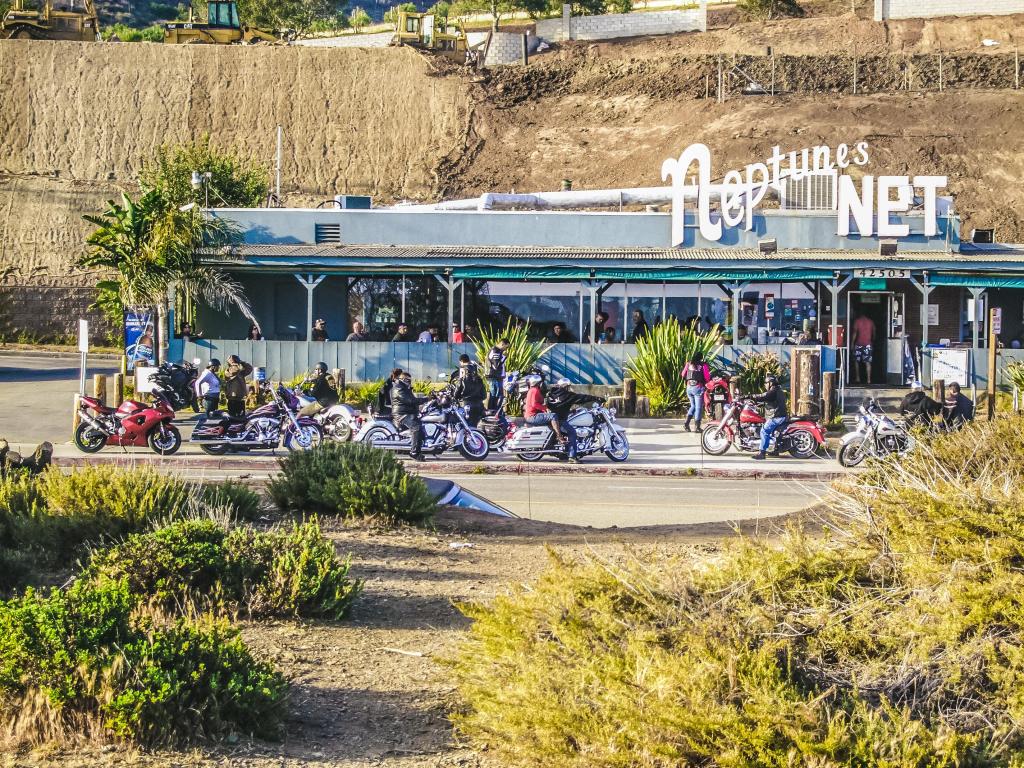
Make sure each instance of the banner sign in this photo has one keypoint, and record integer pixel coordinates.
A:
(139, 337)
(739, 193)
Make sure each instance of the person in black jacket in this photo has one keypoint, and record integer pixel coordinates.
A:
(322, 386)
(917, 408)
(496, 359)
(405, 412)
(468, 388)
(959, 408)
(774, 400)
(560, 400)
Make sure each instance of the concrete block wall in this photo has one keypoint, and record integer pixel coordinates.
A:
(505, 48)
(614, 25)
(920, 9)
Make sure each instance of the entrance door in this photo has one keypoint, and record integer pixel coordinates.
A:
(875, 307)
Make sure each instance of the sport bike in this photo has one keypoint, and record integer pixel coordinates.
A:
(177, 383)
(596, 432)
(132, 423)
(741, 426)
(273, 424)
(876, 435)
(444, 427)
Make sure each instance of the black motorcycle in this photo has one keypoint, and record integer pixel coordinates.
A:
(177, 384)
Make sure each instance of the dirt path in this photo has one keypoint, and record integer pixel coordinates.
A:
(368, 691)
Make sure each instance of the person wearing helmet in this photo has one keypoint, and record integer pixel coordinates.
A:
(469, 389)
(561, 400)
(917, 408)
(322, 386)
(208, 388)
(774, 400)
(534, 410)
(235, 387)
(405, 411)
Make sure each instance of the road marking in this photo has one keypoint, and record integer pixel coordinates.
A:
(510, 504)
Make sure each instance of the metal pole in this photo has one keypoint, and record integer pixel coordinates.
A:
(402, 291)
(625, 310)
(462, 307)
(593, 313)
(1016, 67)
(773, 72)
(976, 293)
(664, 303)
(720, 96)
(85, 366)
(580, 337)
(277, 175)
(855, 70)
(940, 71)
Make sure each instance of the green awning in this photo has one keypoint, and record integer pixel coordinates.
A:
(633, 275)
(978, 281)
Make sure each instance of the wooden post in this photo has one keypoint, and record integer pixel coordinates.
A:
(993, 346)
(629, 396)
(1016, 68)
(118, 389)
(773, 72)
(939, 390)
(828, 396)
(940, 71)
(99, 387)
(341, 382)
(124, 365)
(75, 421)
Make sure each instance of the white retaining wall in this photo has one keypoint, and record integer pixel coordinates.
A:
(622, 24)
(504, 48)
(920, 9)
(370, 40)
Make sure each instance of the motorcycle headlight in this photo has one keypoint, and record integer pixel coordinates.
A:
(612, 412)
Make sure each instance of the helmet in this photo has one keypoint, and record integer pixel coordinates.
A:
(214, 361)
(771, 378)
(321, 366)
(562, 382)
(533, 380)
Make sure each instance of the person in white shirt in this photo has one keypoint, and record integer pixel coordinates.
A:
(208, 387)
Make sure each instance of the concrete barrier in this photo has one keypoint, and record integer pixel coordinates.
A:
(613, 25)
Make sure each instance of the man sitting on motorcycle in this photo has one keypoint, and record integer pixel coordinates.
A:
(561, 400)
(774, 400)
(535, 412)
(320, 385)
(469, 389)
(405, 411)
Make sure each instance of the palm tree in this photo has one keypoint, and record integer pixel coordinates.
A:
(155, 248)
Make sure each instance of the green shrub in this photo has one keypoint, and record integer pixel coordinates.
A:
(892, 640)
(126, 34)
(660, 358)
(84, 662)
(289, 572)
(753, 369)
(352, 480)
(241, 501)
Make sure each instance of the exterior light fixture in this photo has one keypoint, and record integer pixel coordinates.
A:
(768, 245)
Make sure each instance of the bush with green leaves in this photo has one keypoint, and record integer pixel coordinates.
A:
(753, 369)
(1014, 373)
(521, 355)
(293, 571)
(769, 9)
(660, 358)
(126, 34)
(354, 480)
(86, 662)
(892, 639)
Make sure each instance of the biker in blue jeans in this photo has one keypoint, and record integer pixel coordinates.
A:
(697, 375)
(775, 409)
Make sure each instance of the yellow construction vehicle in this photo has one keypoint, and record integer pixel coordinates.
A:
(46, 20)
(422, 30)
(221, 27)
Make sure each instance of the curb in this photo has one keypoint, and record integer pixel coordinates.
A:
(263, 463)
(52, 354)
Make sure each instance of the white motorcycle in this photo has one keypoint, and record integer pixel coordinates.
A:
(876, 435)
(444, 428)
(340, 422)
(596, 431)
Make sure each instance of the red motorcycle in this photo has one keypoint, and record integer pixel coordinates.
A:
(131, 424)
(717, 396)
(741, 426)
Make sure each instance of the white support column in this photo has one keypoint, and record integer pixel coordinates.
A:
(737, 293)
(925, 290)
(309, 283)
(976, 293)
(593, 311)
(451, 284)
(402, 291)
(462, 307)
(835, 289)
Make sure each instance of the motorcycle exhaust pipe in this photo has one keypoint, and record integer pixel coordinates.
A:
(221, 441)
(93, 422)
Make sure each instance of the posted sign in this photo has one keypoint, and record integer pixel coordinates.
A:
(139, 337)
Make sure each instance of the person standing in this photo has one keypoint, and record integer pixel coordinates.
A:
(427, 336)
(235, 387)
(358, 333)
(402, 334)
(208, 387)
(496, 359)
(457, 336)
(640, 327)
(255, 334)
(320, 330)
(600, 318)
(743, 337)
(863, 346)
(697, 375)
(405, 411)
(774, 400)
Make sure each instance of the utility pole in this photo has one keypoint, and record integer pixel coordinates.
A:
(994, 322)
(277, 174)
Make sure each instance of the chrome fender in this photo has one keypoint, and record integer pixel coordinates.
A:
(853, 437)
(367, 426)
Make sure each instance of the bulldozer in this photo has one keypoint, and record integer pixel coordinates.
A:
(421, 30)
(46, 20)
(222, 27)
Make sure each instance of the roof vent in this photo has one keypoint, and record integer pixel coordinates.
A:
(327, 233)
(814, 191)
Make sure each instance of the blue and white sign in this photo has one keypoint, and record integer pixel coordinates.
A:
(139, 337)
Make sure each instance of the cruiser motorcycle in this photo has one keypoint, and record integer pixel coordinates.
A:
(596, 432)
(273, 424)
(876, 435)
(340, 422)
(741, 426)
(444, 427)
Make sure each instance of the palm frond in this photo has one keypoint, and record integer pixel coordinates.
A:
(660, 358)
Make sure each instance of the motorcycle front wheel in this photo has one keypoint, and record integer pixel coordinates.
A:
(714, 444)
(308, 437)
(338, 428)
(802, 444)
(619, 449)
(474, 446)
(88, 439)
(166, 441)
(852, 454)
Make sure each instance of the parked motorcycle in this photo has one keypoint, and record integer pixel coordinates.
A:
(444, 427)
(596, 431)
(717, 395)
(177, 383)
(133, 423)
(876, 435)
(273, 424)
(741, 426)
(340, 422)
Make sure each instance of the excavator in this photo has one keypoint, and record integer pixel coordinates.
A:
(221, 27)
(46, 20)
(420, 31)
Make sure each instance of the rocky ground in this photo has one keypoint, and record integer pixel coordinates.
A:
(372, 690)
